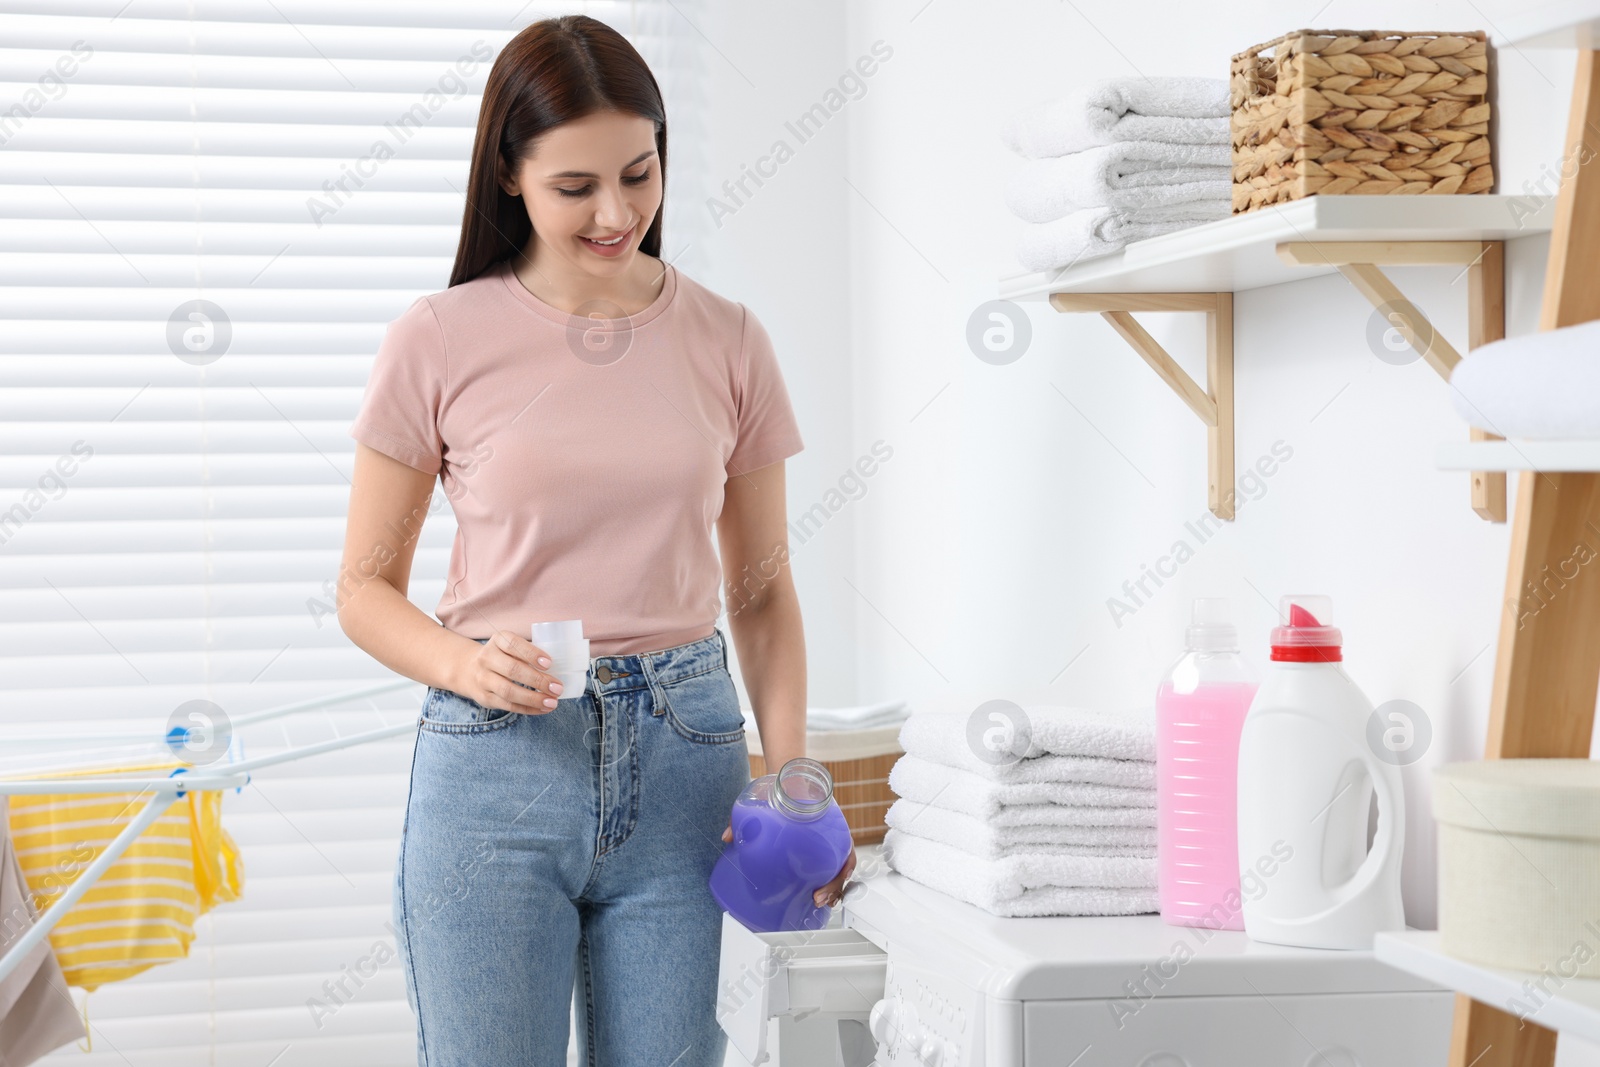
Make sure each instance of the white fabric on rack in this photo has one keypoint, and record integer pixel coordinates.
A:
(860, 717)
(1043, 730)
(1017, 886)
(1127, 175)
(983, 838)
(1183, 110)
(963, 790)
(1543, 385)
(37, 1012)
(1099, 231)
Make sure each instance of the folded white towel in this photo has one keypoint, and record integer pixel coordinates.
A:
(983, 838)
(859, 717)
(1543, 385)
(964, 790)
(1099, 231)
(1012, 886)
(1057, 815)
(1010, 875)
(1043, 729)
(1180, 110)
(1129, 773)
(1126, 175)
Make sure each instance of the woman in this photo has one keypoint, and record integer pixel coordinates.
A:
(591, 414)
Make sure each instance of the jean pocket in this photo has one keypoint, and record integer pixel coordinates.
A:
(447, 712)
(705, 708)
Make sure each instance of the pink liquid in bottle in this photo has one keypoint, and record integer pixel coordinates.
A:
(1200, 711)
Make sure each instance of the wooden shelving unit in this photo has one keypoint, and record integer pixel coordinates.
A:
(1200, 268)
(1547, 665)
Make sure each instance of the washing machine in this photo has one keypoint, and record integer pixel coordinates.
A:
(906, 976)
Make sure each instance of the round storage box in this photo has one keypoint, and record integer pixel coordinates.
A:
(1519, 863)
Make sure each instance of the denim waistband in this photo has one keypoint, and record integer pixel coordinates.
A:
(646, 670)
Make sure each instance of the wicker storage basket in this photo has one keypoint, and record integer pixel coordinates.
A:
(1360, 111)
(859, 761)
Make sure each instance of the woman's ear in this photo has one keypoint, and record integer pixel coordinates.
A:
(502, 175)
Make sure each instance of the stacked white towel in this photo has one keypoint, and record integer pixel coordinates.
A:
(1118, 160)
(1063, 822)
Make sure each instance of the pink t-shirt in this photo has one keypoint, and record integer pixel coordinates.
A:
(586, 484)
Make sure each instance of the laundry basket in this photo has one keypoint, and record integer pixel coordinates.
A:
(1330, 112)
(859, 761)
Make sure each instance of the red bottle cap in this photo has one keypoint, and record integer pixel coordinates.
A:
(1305, 636)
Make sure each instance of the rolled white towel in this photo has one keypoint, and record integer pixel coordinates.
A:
(1126, 175)
(964, 790)
(1099, 231)
(1543, 385)
(1016, 886)
(983, 838)
(1181, 110)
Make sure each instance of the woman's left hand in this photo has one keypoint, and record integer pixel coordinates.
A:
(827, 895)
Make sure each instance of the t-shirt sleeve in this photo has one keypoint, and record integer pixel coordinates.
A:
(768, 431)
(399, 413)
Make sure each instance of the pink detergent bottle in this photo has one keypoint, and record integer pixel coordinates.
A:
(789, 839)
(1200, 710)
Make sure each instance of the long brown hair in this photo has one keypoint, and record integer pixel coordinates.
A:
(553, 71)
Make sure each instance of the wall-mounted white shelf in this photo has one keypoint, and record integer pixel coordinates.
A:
(1200, 268)
(1572, 1006)
(1562, 24)
(1240, 253)
(1521, 455)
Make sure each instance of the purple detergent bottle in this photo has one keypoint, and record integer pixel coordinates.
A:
(789, 839)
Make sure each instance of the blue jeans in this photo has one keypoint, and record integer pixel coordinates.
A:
(548, 857)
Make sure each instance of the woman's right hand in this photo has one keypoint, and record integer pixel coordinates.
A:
(506, 673)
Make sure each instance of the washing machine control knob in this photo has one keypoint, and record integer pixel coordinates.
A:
(881, 1022)
(931, 1053)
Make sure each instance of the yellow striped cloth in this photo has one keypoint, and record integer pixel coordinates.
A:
(142, 911)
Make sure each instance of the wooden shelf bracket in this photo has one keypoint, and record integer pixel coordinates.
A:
(1360, 262)
(1214, 403)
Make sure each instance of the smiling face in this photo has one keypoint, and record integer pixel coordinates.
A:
(592, 188)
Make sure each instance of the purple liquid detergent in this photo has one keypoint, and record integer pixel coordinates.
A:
(789, 839)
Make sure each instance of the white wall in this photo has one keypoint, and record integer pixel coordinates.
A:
(781, 248)
(1025, 494)
(1020, 497)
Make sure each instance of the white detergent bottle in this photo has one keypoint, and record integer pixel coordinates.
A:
(1306, 781)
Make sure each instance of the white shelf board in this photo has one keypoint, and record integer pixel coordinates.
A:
(1556, 24)
(1520, 455)
(1238, 253)
(1573, 1007)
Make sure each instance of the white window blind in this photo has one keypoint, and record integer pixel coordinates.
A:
(170, 528)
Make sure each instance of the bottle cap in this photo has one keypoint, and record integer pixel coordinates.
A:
(1211, 626)
(1303, 634)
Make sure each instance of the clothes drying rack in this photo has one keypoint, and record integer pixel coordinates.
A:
(234, 774)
